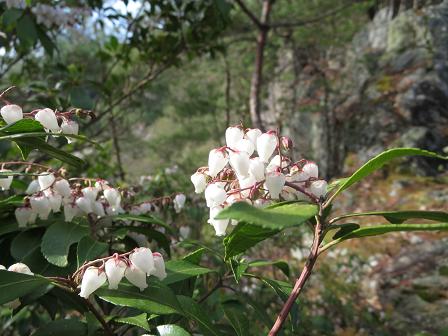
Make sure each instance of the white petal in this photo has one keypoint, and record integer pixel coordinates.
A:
(115, 270)
(41, 206)
(55, 202)
(11, 113)
(252, 135)
(266, 145)
(90, 193)
(245, 145)
(46, 180)
(256, 169)
(5, 181)
(199, 181)
(318, 188)
(91, 281)
(233, 135)
(214, 194)
(48, 119)
(311, 170)
(142, 259)
(33, 187)
(179, 202)
(20, 268)
(159, 265)
(220, 225)
(23, 215)
(240, 163)
(84, 204)
(62, 187)
(70, 211)
(274, 183)
(136, 277)
(217, 160)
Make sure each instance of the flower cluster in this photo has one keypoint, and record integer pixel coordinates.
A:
(135, 266)
(257, 168)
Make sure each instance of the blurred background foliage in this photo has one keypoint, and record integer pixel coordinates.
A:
(166, 77)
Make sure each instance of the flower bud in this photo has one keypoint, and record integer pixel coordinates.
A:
(266, 145)
(252, 135)
(62, 187)
(256, 169)
(159, 266)
(23, 216)
(179, 202)
(33, 187)
(286, 143)
(70, 211)
(274, 183)
(142, 259)
(84, 204)
(90, 193)
(48, 119)
(220, 225)
(55, 202)
(46, 180)
(217, 160)
(311, 170)
(240, 163)
(5, 181)
(112, 196)
(214, 194)
(69, 127)
(20, 268)
(115, 269)
(318, 188)
(11, 113)
(199, 181)
(136, 277)
(245, 145)
(92, 279)
(41, 206)
(233, 135)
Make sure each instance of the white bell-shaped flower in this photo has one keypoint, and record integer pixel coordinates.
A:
(275, 163)
(142, 259)
(256, 168)
(298, 177)
(220, 225)
(112, 196)
(92, 279)
(46, 180)
(217, 160)
(90, 193)
(23, 216)
(115, 269)
(33, 187)
(245, 183)
(5, 181)
(214, 194)
(69, 127)
(199, 181)
(41, 206)
(179, 202)
(55, 202)
(252, 135)
(311, 170)
(20, 268)
(136, 277)
(101, 184)
(266, 145)
(159, 266)
(62, 187)
(233, 136)
(11, 113)
(98, 209)
(274, 183)
(2, 268)
(48, 119)
(240, 163)
(70, 211)
(245, 145)
(318, 188)
(85, 204)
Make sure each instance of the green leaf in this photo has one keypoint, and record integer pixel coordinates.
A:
(245, 236)
(143, 219)
(280, 264)
(11, 15)
(157, 298)
(138, 320)
(378, 161)
(26, 31)
(14, 285)
(66, 327)
(57, 240)
(237, 317)
(194, 311)
(90, 249)
(25, 244)
(344, 229)
(172, 330)
(23, 126)
(397, 217)
(278, 217)
(179, 270)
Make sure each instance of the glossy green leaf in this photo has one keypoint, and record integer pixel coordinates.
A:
(66, 327)
(237, 317)
(58, 238)
(157, 298)
(90, 249)
(26, 30)
(26, 243)
(344, 229)
(179, 270)
(397, 217)
(194, 311)
(22, 126)
(245, 236)
(278, 217)
(14, 285)
(138, 320)
(11, 15)
(172, 330)
(378, 161)
(280, 264)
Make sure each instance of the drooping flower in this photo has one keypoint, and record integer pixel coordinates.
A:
(92, 279)
(46, 180)
(55, 201)
(142, 259)
(23, 216)
(233, 136)
(33, 187)
(90, 193)
(159, 266)
(48, 119)
(20, 268)
(245, 183)
(98, 209)
(112, 196)
(214, 194)
(252, 134)
(199, 181)
(62, 187)
(179, 202)
(5, 181)
(275, 182)
(70, 211)
(69, 127)
(256, 169)
(318, 188)
(245, 145)
(220, 225)
(217, 160)
(115, 269)
(11, 113)
(136, 277)
(311, 169)
(240, 163)
(41, 206)
(266, 145)
(85, 204)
